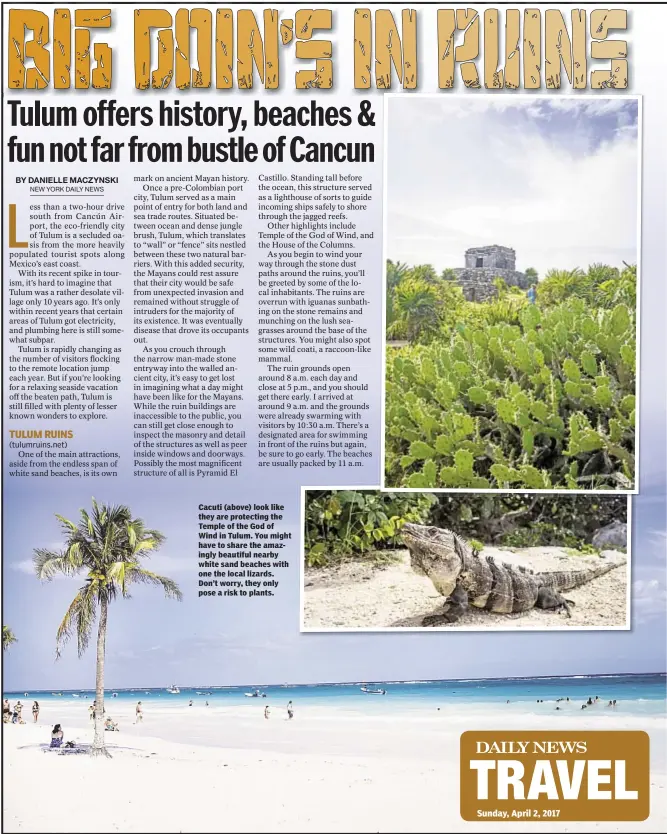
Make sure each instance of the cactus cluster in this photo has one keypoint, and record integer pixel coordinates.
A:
(548, 402)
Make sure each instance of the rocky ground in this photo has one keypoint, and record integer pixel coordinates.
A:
(370, 595)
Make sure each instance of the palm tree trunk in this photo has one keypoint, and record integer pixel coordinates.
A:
(99, 748)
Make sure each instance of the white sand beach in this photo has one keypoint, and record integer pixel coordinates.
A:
(325, 771)
(367, 594)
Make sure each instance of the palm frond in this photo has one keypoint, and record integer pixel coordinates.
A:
(117, 574)
(8, 637)
(107, 543)
(48, 563)
(79, 619)
(134, 573)
(70, 525)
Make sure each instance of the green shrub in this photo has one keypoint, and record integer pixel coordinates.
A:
(520, 519)
(545, 403)
(343, 522)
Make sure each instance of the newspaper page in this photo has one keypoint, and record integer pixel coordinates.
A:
(323, 501)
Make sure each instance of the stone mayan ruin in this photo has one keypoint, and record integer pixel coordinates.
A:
(483, 264)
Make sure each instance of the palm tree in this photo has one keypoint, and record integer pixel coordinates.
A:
(425, 272)
(7, 637)
(108, 544)
(395, 272)
(417, 310)
(559, 284)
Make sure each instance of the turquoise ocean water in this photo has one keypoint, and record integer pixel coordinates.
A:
(636, 694)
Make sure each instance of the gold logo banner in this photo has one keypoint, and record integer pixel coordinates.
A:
(549, 776)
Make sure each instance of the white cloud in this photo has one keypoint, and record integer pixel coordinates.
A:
(24, 566)
(467, 173)
(649, 598)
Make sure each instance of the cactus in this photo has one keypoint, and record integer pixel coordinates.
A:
(547, 403)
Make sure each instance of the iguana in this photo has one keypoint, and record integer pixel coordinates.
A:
(464, 578)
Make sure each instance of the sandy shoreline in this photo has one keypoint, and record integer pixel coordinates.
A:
(268, 776)
(361, 594)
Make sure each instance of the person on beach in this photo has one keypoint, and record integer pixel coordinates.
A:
(6, 711)
(35, 711)
(290, 711)
(111, 725)
(266, 711)
(91, 710)
(57, 736)
(190, 704)
(138, 713)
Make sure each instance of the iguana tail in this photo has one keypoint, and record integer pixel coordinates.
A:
(566, 580)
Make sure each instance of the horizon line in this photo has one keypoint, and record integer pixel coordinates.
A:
(359, 683)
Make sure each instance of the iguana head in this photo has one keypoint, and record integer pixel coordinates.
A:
(433, 553)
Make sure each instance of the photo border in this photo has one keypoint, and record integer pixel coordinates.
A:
(303, 629)
(385, 213)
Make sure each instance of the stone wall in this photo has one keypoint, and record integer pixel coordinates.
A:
(494, 257)
(477, 284)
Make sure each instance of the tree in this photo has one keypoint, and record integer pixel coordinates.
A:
(425, 272)
(598, 273)
(560, 284)
(7, 637)
(532, 275)
(416, 310)
(108, 545)
(395, 272)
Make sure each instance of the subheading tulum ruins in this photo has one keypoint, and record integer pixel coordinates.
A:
(483, 264)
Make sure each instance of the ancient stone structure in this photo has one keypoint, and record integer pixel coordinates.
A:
(483, 264)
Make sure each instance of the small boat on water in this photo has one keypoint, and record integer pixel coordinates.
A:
(369, 691)
(255, 694)
(174, 690)
(75, 695)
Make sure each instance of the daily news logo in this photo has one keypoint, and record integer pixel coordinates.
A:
(568, 776)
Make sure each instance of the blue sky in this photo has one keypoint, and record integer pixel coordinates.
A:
(155, 642)
(555, 179)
